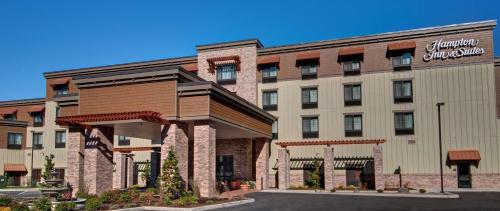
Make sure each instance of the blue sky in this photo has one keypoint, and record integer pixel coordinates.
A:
(42, 36)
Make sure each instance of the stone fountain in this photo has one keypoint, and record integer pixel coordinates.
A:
(58, 192)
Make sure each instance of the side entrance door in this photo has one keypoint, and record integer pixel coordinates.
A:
(464, 176)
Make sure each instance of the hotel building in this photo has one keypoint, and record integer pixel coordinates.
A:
(364, 107)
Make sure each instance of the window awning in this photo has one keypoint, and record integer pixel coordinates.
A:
(82, 120)
(456, 156)
(308, 55)
(59, 81)
(6, 111)
(35, 109)
(401, 45)
(213, 62)
(351, 51)
(14, 167)
(190, 67)
(263, 60)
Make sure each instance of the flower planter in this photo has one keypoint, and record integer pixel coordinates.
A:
(234, 185)
(245, 187)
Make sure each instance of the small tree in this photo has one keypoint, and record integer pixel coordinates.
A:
(172, 184)
(48, 166)
(146, 174)
(315, 176)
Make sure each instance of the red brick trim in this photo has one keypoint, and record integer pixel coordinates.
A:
(330, 142)
(212, 62)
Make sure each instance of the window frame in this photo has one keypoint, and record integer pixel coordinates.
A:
(10, 117)
(269, 107)
(351, 71)
(227, 161)
(402, 98)
(399, 56)
(61, 90)
(123, 140)
(404, 131)
(37, 145)
(41, 116)
(310, 134)
(275, 133)
(353, 102)
(59, 144)
(14, 145)
(219, 72)
(353, 132)
(269, 68)
(309, 104)
(309, 65)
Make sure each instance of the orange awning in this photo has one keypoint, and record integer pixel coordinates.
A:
(190, 67)
(308, 55)
(401, 45)
(5, 111)
(463, 156)
(268, 60)
(34, 109)
(59, 81)
(14, 167)
(351, 51)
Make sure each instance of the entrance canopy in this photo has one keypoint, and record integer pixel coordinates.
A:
(12, 167)
(471, 156)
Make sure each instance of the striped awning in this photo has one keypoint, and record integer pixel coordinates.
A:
(14, 167)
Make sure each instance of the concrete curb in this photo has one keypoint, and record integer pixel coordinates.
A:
(208, 207)
(374, 194)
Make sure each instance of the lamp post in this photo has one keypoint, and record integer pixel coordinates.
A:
(32, 155)
(440, 144)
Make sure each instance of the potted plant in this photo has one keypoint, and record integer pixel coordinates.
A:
(245, 186)
(234, 184)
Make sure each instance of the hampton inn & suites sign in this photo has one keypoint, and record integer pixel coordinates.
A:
(452, 49)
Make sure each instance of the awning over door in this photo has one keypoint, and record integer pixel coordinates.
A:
(14, 167)
(456, 156)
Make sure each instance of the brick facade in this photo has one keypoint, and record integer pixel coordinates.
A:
(378, 166)
(75, 170)
(283, 169)
(241, 150)
(329, 166)
(98, 161)
(262, 163)
(204, 158)
(119, 173)
(176, 137)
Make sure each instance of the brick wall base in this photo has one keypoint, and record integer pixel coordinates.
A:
(432, 181)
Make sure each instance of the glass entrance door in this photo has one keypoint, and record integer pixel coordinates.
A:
(464, 176)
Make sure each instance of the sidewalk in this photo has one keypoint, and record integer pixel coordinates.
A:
(412, 194)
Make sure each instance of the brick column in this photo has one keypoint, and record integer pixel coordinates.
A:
(175, 136)
(329, 167)
(204, 158)
(98, 164)
(283, 169)
(74, 170)
(262, 163)
(130, 170)
(119, 174)
(378, 167)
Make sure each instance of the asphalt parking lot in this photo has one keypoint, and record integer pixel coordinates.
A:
(289, 201)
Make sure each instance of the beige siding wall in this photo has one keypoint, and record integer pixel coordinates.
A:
(468, 117)
(10, 156)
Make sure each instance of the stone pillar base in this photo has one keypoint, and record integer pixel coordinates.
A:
(283, 169)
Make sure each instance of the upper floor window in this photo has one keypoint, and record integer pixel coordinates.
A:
(37, 119)
(401, 61)
(37, 140)
(270, 100)
(309, 97)
(352, 67)
(308, 69)
(353, 125)
(403, 91)
(310, 127)
(275, 130)
(226, 74)
(58, 111)
(123, 141)
(352, 94)
(12, 116)
(61, 89)
(14, 140)
(269, 73)
(60, 139)
(403, 122)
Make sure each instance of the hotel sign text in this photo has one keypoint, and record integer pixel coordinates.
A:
(453, 49)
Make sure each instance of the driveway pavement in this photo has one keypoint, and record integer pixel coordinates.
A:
(21, 193)
(288, 201)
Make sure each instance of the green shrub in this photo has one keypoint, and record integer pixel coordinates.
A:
(124, 197)
(93, 203)
(20, 207)
(5, 201)
(110, 196)
(422, 190)
(380, 190)
(187, 199)
(66, 206)
(134, 192)
(333, 190)
(83, 192)
(43, 204)
(152, 190)
(166, 200)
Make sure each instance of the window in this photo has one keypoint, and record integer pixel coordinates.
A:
(270, 100)
(37, 140)
(60, 173)
(402, 61)
(123, 141)
(226, 74)
(269, 73)
(310, 127)
(14, 140)
(224, 167)
(353, 125)
(403, 92)
(275, 130)
(12, 117)
(37, 175)
(352, 94)
(403, 122)
(60, 139)
(352, 67)
(37, 119)
(61, 89)
(58, 111)
(309, 97)
(308, 70)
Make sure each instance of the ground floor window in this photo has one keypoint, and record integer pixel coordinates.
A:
(224, 167)
(37, 175)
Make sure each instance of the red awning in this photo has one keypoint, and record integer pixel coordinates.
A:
(81, 120)
(463, 156)
(190, 67)
(14, 167)
(401, 45)
(268, 60)
(351, 51)
(5, 111)
(213, 62)
(308, 55)
(329, 142)
(35, 109)
(59, 81)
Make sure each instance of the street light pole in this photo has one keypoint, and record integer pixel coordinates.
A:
(32, 155)
(440, 144)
